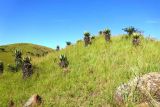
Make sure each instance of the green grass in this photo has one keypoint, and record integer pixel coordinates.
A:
(94, 73)
(7, 56)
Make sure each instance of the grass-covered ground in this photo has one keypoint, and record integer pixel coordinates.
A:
(94, 73)
(7, 51)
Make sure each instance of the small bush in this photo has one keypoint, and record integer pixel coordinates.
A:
(11, 68)
(2, 49)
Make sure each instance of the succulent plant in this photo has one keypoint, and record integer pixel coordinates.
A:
(136, 39)
(18, 58)
(87, 39)
(27, 68)
(130, 30)
(107, 34)
(63, 61)
(1, 67)
(57, 48)
(100, 32)
(68, 43)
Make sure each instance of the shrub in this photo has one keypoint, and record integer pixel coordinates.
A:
(11, 68)
(63, 61)
(2, 49)
(93, 37)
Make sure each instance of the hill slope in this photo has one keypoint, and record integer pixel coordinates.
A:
(94, 73)
(7, 51)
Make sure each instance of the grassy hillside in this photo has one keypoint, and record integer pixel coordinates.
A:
(94, 73)
(7, 51)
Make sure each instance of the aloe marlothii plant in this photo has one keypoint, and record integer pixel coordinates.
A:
(136, 39)
(1, 67)
(27, 69)
(130, 30)
(107, 34)
(18, 58)
(87, 39)
(68, 43)
(100, 32)
(57, 48)
(63, 61)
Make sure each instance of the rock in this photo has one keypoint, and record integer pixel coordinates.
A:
(141, 89)
(34, 101)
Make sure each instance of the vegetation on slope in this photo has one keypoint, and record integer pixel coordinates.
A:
(94, 73)
(7, 51)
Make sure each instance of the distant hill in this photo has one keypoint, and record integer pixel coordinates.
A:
(32, 50)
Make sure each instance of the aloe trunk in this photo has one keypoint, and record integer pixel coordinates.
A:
(27, 68)
(107, 35)
(87, 40)
(136, 41)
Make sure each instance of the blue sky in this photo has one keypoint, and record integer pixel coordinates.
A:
(53, 22)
